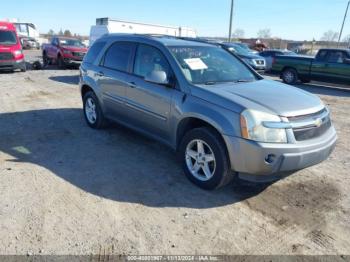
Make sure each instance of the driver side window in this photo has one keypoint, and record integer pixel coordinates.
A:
(149, 59)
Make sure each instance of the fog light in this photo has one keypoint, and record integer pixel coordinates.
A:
(270, 158)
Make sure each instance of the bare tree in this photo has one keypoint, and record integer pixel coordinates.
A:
(346, 39)
(67, 33)
(51, 32)
(238, 33)
(264, 33)
(60, 32)
(330, 36)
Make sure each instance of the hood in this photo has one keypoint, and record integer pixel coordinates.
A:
(75, 48)
(250, 56)
(263, 95)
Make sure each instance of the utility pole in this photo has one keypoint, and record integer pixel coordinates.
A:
(231, 17)
(342, 27)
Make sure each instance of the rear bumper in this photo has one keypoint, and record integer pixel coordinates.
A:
(12, 65)
(249, 158)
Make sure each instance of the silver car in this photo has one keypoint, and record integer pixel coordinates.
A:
(222, 118)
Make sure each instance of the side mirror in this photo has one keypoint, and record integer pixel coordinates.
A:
(157, 77)
(346, 61)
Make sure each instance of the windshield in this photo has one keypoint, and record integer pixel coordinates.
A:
(238, 49)
(289, 53)
(71, 42)
(7, 38)
(210, 65)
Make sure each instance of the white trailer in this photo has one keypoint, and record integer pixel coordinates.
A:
(108, 25)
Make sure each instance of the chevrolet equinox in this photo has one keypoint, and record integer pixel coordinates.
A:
(220, 116)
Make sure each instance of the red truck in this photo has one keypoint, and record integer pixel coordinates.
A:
(11, 54)
(64, 51)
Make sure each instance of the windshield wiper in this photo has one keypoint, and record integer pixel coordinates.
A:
(208, 83)
(243, 81)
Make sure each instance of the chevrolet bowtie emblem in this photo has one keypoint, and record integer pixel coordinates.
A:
(318, 122)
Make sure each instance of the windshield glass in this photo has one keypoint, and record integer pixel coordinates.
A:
(7, 38)
(289, 53)
(210, 65)
(71, 42)
(238, 49)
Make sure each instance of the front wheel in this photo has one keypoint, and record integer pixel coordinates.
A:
(61, 63)
(204, 159)
(290, 76)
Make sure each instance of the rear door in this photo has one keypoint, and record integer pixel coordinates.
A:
(319, 68)
(149, 103)
(338, 70)
(112, 78)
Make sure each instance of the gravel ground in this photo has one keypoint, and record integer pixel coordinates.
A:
(68, 189)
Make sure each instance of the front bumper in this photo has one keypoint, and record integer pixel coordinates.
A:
(12, 64)
(72, 61)
(249, 158)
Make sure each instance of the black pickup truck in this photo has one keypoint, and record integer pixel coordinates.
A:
(329, 65)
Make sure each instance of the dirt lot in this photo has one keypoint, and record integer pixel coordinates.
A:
(67, 189)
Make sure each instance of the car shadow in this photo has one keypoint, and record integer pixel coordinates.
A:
(114, 163)
(67, 79)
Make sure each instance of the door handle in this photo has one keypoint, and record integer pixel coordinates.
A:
(100, 74)
(132, 84)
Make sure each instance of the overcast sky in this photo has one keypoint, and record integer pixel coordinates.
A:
(289, 19)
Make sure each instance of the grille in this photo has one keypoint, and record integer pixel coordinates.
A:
(260, 62)
(309, 132)
(78, 54)
(6, 56)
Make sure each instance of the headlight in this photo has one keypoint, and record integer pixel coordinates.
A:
(252, 127)
(17, 52)
(67, 52)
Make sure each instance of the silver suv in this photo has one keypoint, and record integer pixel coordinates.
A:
(218, 114)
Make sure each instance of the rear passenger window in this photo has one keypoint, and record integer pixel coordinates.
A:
(118, 56)
(93, 52)
(336, 57)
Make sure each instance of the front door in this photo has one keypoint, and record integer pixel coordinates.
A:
(149, 103)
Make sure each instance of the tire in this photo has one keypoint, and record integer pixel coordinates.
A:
(219, 169)
(46, 60)
(99, 121)
(290, 76)
(60, 62)
(24, 68)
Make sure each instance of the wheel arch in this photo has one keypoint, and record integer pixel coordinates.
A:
(188, 123)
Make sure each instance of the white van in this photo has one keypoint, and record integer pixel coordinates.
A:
(108, 25)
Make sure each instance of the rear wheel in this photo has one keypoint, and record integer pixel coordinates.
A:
(204, 159)
(290, 76)
(92, 111)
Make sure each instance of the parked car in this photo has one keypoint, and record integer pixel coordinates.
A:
(247, 48)
(64, 51)
(218, 114)
(29, 43)
(271, 54)
(329, 65)
(255, 61)
(11, 54)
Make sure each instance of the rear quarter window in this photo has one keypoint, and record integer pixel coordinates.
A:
(93, 52)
